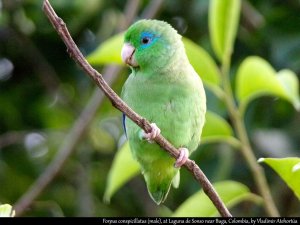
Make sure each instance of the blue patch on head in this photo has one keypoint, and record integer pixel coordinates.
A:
(148, 39)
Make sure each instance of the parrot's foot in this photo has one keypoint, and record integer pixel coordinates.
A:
(183, 156)
(155, 131)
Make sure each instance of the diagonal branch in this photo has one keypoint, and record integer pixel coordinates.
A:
(117, 102)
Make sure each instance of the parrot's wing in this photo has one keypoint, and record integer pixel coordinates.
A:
(123, 122)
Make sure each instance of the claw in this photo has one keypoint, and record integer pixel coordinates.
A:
(183, 156)
(155, 131)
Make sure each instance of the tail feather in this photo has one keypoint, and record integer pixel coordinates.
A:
(158, 196)
(159, 192)
(158, 184)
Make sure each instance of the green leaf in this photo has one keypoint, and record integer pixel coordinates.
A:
(6, 211)
(288, 169)
(202, 63)
(217, 129)
(124, 167)
(256, 77)
(199, 205)
(223, 23)
(288, 80)
(109, 52)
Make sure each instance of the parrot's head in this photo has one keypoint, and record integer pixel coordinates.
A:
(151, 44)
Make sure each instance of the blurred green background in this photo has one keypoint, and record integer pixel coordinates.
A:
(43, 94)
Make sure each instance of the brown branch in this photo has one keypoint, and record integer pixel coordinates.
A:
(116, 101)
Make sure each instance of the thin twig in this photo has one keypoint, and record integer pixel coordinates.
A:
(130, 12)
(77, 56)
(12, 137)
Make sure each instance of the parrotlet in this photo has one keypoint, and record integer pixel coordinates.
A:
(164, 88)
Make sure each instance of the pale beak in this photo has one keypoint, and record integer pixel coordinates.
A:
(127, 55)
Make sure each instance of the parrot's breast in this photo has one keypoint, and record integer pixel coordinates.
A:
(177, 106)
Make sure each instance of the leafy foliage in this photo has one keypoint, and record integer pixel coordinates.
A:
(231, 192)
(122, 170)
(288, 169)
(202, 63)
(42, 94)
(223, 24)
(216, 129)
(284, 84)
(108, 51)
(6, 211)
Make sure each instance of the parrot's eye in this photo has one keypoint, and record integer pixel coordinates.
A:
(146, 40)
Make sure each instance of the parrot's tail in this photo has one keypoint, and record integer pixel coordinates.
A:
(159, 184)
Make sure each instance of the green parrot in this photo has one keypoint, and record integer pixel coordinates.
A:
(165, 89)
